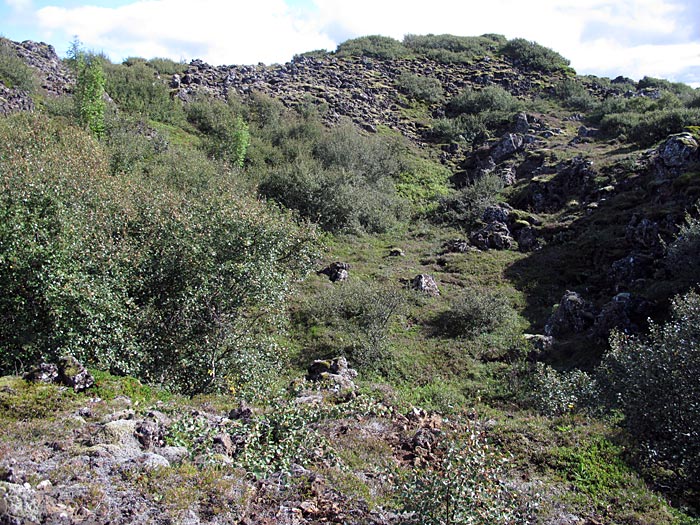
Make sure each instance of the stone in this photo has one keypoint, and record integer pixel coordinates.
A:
(426, 284)
(396, 252)
(643, 233)
(149, 434)
(509, 144)
(526, 237)
(151, 461)
(18, 505)
(494, 235)
(497, 213)
(337, 271)
(678, 150)
(573, 315)
(335, 372)
(522, 125)
(625, 313)
(457, 246)
(44, 373)
(173, 454)
(541, 344)
(73, 374)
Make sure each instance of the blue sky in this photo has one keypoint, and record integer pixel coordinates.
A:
(634, 38)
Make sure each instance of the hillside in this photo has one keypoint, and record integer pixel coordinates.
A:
(444, 280)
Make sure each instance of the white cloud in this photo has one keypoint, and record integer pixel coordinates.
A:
(628, 37)
(19, 5)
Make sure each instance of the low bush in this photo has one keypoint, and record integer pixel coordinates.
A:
(426, 89)
(572, 94)
(454, 49)
(373, 46)
(466, 207)
(464, 485)
(491, 99)
(14, 73)
(682, 256)
(126, 273)
(532, 55)
(476, 311)
(136, 88)
(344, 181)
(357, 317)
(556, 393)
(226, 135)
(653, 380)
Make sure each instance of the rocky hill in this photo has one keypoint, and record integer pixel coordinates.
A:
(490, 218)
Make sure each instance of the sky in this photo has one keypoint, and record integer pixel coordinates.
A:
(633, 38)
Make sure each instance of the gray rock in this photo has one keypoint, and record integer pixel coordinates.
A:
(18, 505)
(678, 150)
(509, 144)
(494, 235)
(336, 372)
(522, 125)
(497, 213)
(173, 454)
(73, 374)
(426, 284)
(44, 373)
(457, 246)
(151, 461)
(337, 271)
(526, 238)
(573, 315)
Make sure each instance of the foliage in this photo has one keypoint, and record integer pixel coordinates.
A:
(266, 443)
(421, 182)
(681, 257)
(14, 73)
(127, 273)
(573, 95)
(650, 127)
(136, 88)
(466, 206)
(464, 486)
(532, 55)
(373, 46)
(343, 182)
(357, 317)
(556, 393)
(653, 380)
(476, 311)
(226, 134)
(89, 90)
(426, 89)
(454, 49)
(472, 113)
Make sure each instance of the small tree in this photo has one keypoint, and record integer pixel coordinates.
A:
(654, 380)
(89, 89)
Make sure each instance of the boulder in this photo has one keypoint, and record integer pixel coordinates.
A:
(457, 246)
(494, 235)
(337, 271)
(19, 504)
(426, 284)
(73, 374)
(625, 312)
(334, 371)
(573, 315)
(678, 150)
(509, 144)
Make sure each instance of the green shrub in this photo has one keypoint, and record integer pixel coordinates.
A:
(454, 49)
(126, 273)
(344, 183)
(167, 66)
(682, 255)
(476, 311)
(489, 99)
(466, 207)
(654, 381)
(373, 46)
(464, 485)
(555, 393)
(532, 55)
(573, 95)
(357, 318)
(464, 128)
(226, 133)
(136, 88)
(649, 127)
(14, 73)
(426, 89)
